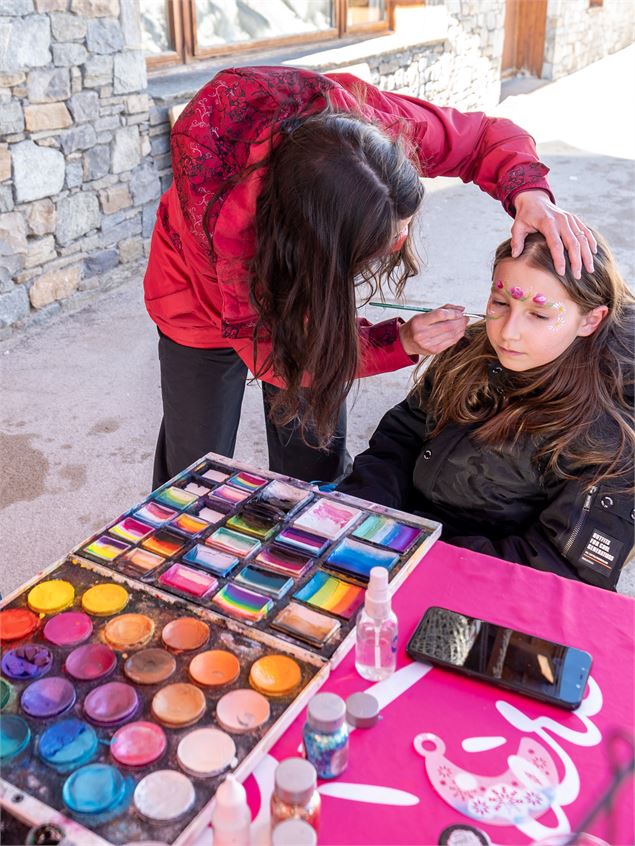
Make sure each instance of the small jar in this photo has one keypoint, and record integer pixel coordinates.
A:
(293, 833)
(295, 794)
(325, 735)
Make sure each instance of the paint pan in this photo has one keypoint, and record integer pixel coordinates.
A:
(250, 523)
(233, 542)
(48, 697)
(228, 494)
(69, 744)
(188, 524)
(176, 498)
(197, 487)
(141, 562)
(327, 519)
(164, 543)
(90, 662)
(244, 604)
(205, 752)
(128, 631)
(164, 796)
(246, 481)
(298, 538)
(138, 744)
(255, 578)
(131, 529)
(17, 623)
(154, 513)
(7, 694)
(178, 705)
(15, 735)
(185, 634)
(241, 711)
(306, 624)
(357, 559)
(105, 599)
(214, 668)
(27, 663)
(105, 548)
(51, 596)
(213, 560)
(385, 531)
(187, 580)
(286, 499)
(150, 666)
(331, 594)
(275, 675)
(284, 561)
(68, 629)
(95, 789)
(111, 703)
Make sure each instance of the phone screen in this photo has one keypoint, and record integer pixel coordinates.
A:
(510, 658)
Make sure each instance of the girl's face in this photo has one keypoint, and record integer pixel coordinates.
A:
(530, 318)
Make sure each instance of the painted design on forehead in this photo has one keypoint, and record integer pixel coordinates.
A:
(517, 293)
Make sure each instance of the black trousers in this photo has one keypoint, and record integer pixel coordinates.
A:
(202, 391)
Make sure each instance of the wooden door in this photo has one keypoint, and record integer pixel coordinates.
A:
(524, 44)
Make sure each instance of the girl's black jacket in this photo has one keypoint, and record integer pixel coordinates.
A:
(491, 500)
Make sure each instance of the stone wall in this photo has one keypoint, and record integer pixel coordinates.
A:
(578, 34)
(78, 185)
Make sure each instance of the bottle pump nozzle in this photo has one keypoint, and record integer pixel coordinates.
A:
(377, 600)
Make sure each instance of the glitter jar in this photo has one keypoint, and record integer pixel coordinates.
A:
(325, 735)
(295, 793)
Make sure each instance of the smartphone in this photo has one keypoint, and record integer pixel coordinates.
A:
(511, 659)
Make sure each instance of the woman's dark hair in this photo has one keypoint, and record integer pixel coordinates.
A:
(332, 196)
(577, 408)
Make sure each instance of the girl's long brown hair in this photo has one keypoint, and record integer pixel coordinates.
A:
(333, 194)
(578, 409)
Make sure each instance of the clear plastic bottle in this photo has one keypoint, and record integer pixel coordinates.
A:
(377, 628)
(231, 816)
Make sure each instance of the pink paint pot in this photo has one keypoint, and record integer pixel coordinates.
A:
(111, 703)
(69, 628)
(90, 662)
(138, 744)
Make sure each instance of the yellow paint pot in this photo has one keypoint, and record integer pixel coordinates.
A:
(51, 596)
(105, 599)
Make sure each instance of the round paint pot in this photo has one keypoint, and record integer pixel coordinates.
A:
(68, 629)
(17, 623)
(94, 789)
(28, 662)
(14, 736)
(205, 752)
(6, 694)
(185, 634)
(214, 668)
(105, 599)
(275, 675)
(243, 710)
(67, 745)
(111, 703)
(178, 705)
(51, 596)
(90, 662)
(128, 631)
(150, 666)
(138, 744)
(48, 697)
(164, 796)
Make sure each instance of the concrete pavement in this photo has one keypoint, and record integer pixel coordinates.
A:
(80, 397)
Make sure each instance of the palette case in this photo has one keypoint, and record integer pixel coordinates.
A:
(300, 575)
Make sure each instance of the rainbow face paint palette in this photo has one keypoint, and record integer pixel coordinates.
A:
(387, 532)
(357, 559)
(331, 594)
(92, 736)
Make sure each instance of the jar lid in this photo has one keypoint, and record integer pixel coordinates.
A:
(326, 712)
(293, 833)
(295, 780)
(362, 710)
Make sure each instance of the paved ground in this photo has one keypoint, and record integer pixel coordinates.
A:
(80, 398)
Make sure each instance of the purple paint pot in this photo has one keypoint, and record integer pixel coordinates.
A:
(27, 662)
(69, 628)
(111, 703)
(48, 697)
(90, 661)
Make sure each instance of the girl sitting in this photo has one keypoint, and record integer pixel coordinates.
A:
(519, 439)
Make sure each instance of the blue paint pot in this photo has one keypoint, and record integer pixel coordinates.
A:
(94, 789)
(67, 745)
(14, 736)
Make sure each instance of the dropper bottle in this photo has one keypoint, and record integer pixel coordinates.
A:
(377, 628)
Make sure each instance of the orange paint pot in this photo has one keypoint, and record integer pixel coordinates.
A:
(185, 634)
(214, 668)
(275, 675)
(178, 705)
(16, 623)
(128, 631)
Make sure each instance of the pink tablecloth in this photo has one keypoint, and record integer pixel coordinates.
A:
(488, 734)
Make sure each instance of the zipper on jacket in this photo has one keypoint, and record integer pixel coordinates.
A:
(578, 526)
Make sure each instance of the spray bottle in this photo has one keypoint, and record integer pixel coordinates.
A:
(376, 639)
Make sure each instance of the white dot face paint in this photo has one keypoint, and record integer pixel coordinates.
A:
(164, 796)
(205, 752)
(530, 318)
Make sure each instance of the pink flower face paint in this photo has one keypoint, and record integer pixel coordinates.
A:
(517, 293)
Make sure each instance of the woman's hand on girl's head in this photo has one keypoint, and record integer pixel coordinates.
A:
(562, 230)
(431, 333)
